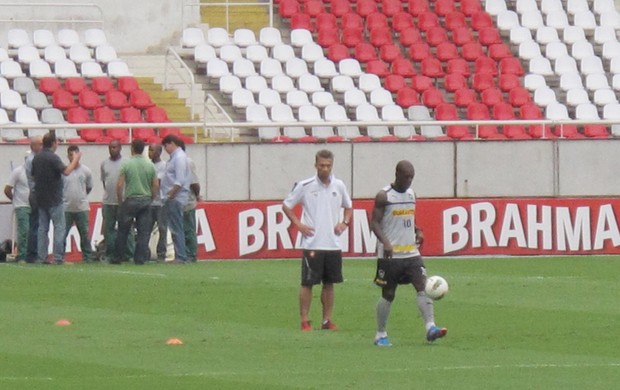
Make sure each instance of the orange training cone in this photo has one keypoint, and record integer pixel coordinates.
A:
(174, 341)
(63, 322)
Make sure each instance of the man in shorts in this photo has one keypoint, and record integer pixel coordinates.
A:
(399, 260)
(322, 196)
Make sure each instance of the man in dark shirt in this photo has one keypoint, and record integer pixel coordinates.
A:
(47, 171)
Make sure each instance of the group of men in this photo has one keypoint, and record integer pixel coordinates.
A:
(137, 194)
(398, 240)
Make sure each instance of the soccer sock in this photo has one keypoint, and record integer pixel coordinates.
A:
(425, 305)
(383, 312)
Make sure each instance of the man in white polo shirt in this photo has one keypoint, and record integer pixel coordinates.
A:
(322, 196)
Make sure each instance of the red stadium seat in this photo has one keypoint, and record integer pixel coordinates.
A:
(77, 115)
(488, 36)
(381, 36)
(427, 20)
(464, 97)
(432, 97)
(407, 97)
(366, 7)
(352, 20)
(352, 36)
(89, 99)
(419, 51)
(421, 83)
(431, 67)
(436, 35)
(328, 37)
(116, 99)
(327, 20)
(479, 111)
(470, 7)
(365, 52)
(376, 20)
(511, 65)
(504, 111)
(101, 85)
(49, 85)
(462, 35)
(140, 99)
(104, 115)
(131, 115)
(403, 67)
(596, 131)
(498, 51)
(472, 50)
(444, 7)
(530, 111)
(417, 7)
(492, 96)
(482, 81)
(446, 51)
(288, 8)
(127, 84)
(156, 114)
(63, 99)
(448, 111)
(481, 20)
(303, 21)
(454, 82)
(485, 64)
(455, 20)
(508, 81)
(394, 83)
(75, 84)
(519, 96)
(402, 21)
(458, 65)
(377, 67)
(314, 7)
(409, 36)
(391, 7)
(390, 52)
(119, 134)
(337, 52)
(340, 7)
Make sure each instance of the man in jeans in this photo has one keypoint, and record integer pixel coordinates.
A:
(175, 193)
(18, 192)
(138, 181)
(47, 171)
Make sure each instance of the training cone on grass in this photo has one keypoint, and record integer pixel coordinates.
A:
(63, 322)
(174, 341)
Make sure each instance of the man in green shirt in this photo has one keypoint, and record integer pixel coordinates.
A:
(137, 186)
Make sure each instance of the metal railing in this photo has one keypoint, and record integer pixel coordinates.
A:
(190, 82)
(230, 126)
(209, 131)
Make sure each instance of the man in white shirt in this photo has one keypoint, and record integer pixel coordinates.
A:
(18, 191)
(322, 196)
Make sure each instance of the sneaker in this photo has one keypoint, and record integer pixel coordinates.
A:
(306, 326)
(435, 333)
(328, 325)
(383, 342)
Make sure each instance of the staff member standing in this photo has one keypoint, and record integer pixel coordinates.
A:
(321, 196)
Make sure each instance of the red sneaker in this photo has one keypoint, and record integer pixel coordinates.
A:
(306, 326)
(328, 325)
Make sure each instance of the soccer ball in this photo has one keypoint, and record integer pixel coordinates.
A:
(436, 287)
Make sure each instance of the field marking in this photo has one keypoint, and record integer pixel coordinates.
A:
(444, 368)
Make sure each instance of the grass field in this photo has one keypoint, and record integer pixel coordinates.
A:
(514, 323)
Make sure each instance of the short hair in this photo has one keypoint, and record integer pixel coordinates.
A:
(73, 148)
(137, 146)
(49, 139)
(171, 139)
(324, 153)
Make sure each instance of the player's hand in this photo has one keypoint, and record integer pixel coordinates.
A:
(306, 230)
(387, 251)
(419, 237)
(340, 227)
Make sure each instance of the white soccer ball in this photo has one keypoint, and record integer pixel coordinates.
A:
(436, 287)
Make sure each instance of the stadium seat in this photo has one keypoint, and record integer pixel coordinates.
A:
(53, 53)
(23, 85)
(394, 113)
(79, 53)
(241, 99)
(508, 81)
(156, 115)
(140, 99)
(63, 99)
(368, 113)
(446, 111)
(311, 52)
(479, 111)
(10, 69)
(407, 97)
(432, 97)
(311, 113)
(588, 111)
(116, 99)
(297, 98)
(244, 37)
(281, 83)
(421, 113)
(90, 69)
(255, 53)
(269, 36)
(102, 84)
(269, 97)
(519, 96)
(243, 68)
(67, 37)
(104, 115)
(191, 37)
(94, 37)
(337, 52)
(464, 97)
(105, 54)
(322, 99)
(337, 113)
(75, 84)
(18, 37)
(118, 68)
(89, 99)
(421, 83)
(43, 38)
(394, 82)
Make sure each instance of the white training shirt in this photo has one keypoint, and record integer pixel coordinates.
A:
(19, 181)
(321, 210)
(398, 223)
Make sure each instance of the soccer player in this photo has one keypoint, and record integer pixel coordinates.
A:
(399, 260)
(322, 196)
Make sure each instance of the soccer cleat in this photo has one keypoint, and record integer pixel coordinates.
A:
(306, 326)
(328, 325)
(435, 333)
(383, 342)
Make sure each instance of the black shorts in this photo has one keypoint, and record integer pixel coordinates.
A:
(393, 272)
(321, 267)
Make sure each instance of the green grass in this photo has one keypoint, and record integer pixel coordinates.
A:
(514, 323)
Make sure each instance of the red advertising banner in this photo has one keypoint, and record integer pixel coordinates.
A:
(452, 227)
